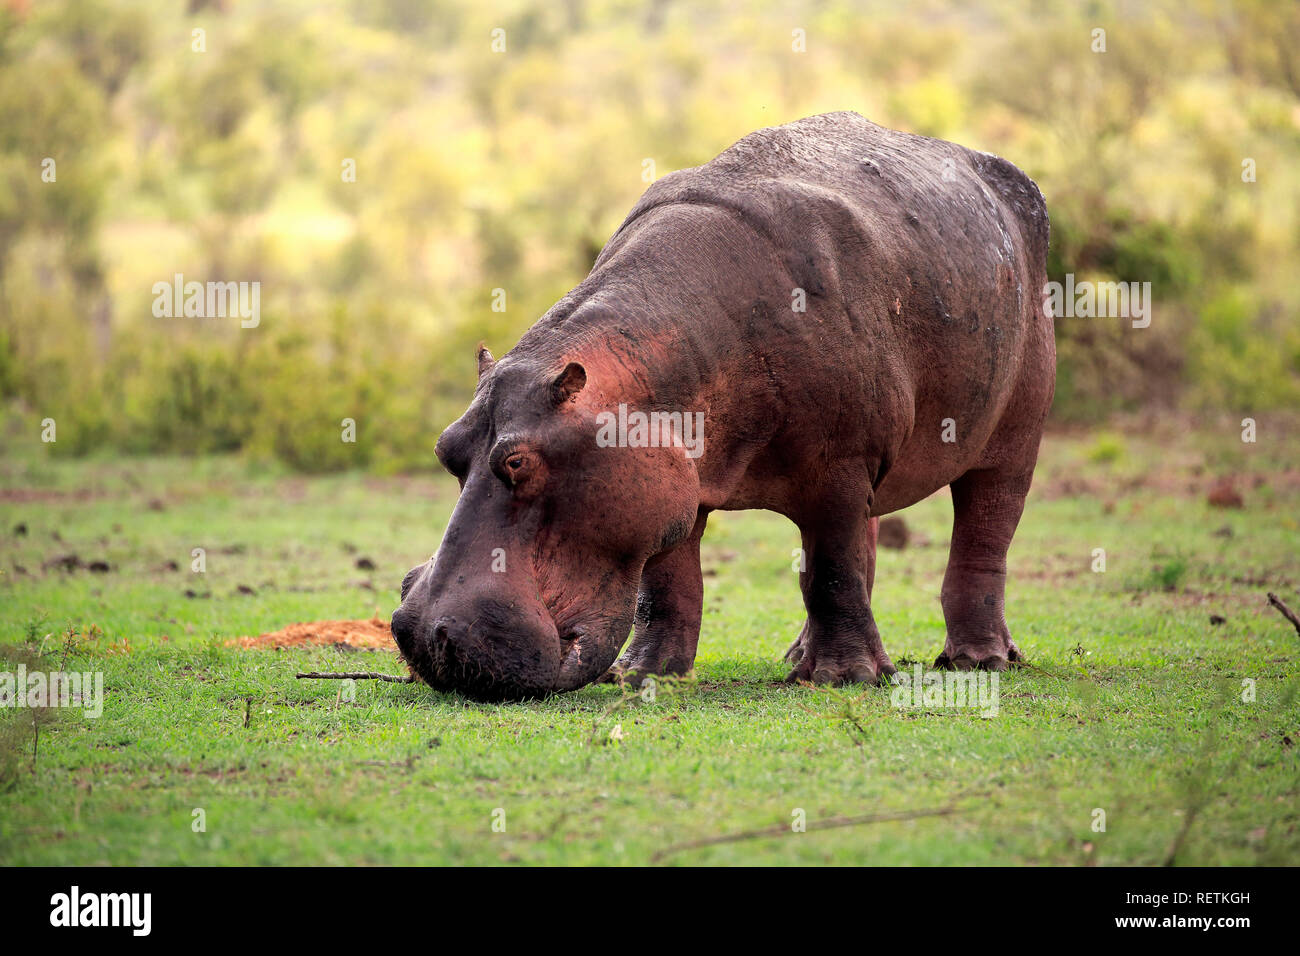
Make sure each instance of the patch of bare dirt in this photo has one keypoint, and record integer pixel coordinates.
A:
(1225, 495)
(1220, 492)
(893, 533)
(22, 496)
(373, 633)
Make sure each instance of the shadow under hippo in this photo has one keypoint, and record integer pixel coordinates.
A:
(831, 320)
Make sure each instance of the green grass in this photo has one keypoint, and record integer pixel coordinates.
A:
(1134, 705)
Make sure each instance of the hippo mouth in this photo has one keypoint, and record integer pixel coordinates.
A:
(579, 656)
(585, 657)
(450, 669)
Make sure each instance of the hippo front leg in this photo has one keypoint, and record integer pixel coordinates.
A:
(795, 652)
(840, 643)
(669, 605)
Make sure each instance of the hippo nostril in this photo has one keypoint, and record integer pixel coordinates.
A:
(440, 633)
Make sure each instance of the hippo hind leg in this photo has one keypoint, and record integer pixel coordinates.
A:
(669, 606)
(839, 643)
(987, 504)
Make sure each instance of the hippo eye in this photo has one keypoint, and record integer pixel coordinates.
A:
(512, 463)
(514, 468)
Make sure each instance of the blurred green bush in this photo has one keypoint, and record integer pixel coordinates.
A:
(225, 155)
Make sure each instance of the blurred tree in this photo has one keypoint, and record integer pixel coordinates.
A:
(1169, 158)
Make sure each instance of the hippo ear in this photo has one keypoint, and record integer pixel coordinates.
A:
(485, 360)
(569, 383)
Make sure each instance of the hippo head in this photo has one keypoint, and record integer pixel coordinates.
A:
(533, 588)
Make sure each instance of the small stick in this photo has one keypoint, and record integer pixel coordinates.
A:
(362, 675)
(783, 828)
(1287, 613)
(1188, 819)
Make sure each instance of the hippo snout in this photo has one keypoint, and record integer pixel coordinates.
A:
(485, 649)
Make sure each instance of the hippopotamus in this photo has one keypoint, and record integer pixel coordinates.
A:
(831, 320)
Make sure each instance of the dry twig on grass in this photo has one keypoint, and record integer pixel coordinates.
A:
(1287, 613)
(362, 675)
(781, 829)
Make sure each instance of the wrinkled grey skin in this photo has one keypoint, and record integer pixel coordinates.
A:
(921, 264)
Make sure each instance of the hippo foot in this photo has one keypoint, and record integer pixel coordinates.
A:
(983, 657)
(795, 652)
(835, 667)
